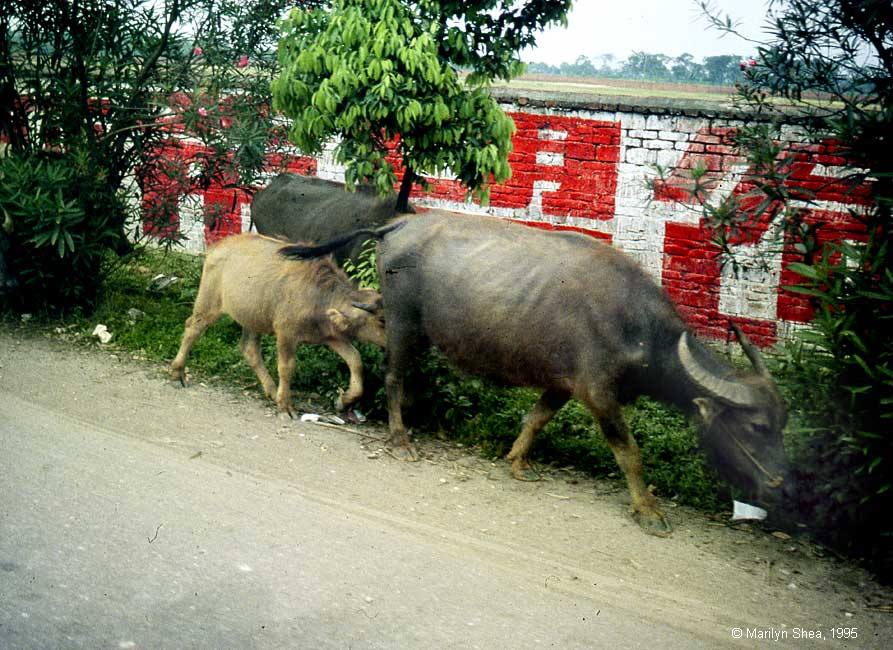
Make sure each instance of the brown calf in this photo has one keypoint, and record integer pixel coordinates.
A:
(299, 302)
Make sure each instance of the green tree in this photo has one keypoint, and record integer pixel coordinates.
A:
(829, 66)
(684, 68)
(582, 67)
(722, 70)
(85, 107)
(385, 73)
(645, 66)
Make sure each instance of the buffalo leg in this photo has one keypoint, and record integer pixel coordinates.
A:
(355, 363)
(250, 347)
(195, 327)
(549, 403)
(399, 351)
(285, 353)
(627, 454)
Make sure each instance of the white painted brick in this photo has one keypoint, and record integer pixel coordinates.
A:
(640, 133)
(327, 167)
(550, 158)
(626, 170)
(689, 124)
(658, 144)
(192, 222)
(632, 142)
(550, 134)
(659, 122)
(668, 157)
(633, 120)
(641, 156)
(672, 135)
(245, 216)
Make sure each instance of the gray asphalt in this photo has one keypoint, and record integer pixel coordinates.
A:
(109, 541)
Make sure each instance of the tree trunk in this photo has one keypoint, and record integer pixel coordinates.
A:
(409, 177)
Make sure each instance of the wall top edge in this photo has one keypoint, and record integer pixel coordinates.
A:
(571, 101)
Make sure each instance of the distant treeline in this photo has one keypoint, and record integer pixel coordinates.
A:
(722, 70)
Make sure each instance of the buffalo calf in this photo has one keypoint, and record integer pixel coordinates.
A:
(299, 302)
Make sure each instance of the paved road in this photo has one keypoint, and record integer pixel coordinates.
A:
(135, 514)
(111, 542)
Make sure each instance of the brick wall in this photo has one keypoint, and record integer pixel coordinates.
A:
(584, 166)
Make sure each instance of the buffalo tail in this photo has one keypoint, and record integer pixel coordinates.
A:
(301, 252)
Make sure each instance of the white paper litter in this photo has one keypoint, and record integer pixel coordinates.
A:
(742, 510)
(103, 333)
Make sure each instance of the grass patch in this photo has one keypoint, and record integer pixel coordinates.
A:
(618, 88)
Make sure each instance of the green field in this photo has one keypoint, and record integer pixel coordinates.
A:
(620, 87)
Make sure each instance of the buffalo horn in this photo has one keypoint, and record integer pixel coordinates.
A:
(751, 352)
(365, 306)
(729, 391)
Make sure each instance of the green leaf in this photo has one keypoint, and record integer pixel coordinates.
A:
(805, 270)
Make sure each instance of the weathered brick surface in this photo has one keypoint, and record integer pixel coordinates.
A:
(583, 167)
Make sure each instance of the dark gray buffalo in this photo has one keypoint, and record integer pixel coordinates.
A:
(300, 208)
(579, 319)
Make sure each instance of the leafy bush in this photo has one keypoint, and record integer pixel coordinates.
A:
(64, 221)
(837, 374)
(839, 378)
(364, 271)
(92, 92)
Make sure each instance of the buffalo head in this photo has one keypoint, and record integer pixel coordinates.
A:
(741, 416)
(362, 318)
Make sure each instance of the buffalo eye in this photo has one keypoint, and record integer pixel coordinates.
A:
(759, 429)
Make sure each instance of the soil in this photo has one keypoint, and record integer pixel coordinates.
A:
(568, 532)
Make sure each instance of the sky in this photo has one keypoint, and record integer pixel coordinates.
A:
(671, 27)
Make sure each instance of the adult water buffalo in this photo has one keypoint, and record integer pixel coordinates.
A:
(579, 319)
(301, 208)
(299, 302)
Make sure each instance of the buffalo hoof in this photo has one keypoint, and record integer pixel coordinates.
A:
(285, 415)
(339, 402)
(403, 449)
(344, 401)
(653, 523)
(406, 453)
(524, 472)
(178, 377)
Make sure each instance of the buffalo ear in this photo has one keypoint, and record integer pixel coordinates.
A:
(707, 408)
(339, 320)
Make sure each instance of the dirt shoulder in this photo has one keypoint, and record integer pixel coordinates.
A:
(568, 533)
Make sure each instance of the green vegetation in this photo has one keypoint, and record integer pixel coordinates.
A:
(463, 408)
(838, 374)
(617, 87)
(722, 70)
(91, 92)
(383, 77)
